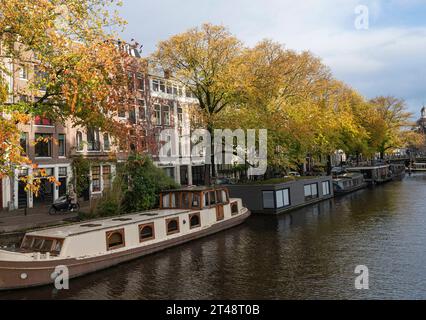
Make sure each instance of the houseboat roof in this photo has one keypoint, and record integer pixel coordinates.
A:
(196, 188)
(369, 168)
(350, 175)
(105, 223)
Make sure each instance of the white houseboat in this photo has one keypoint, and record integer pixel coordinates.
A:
(184, 215)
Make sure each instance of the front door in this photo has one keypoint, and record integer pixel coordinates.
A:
(219, 212)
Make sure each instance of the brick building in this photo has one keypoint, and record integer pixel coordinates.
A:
(159, 103)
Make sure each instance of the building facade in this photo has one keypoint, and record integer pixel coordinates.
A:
(159, 103)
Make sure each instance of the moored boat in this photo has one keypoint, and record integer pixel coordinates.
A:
(374, 174)
(348, 182)
(418, 166)
(184, 215)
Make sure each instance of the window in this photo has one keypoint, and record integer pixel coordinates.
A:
(169, 89)
(43, 245)
(140, 82)
(96, 178)
(121, 112)
(196, 200)
(79, 141)
(142, 109)
(115, 239)
(62, 171)
(41, 121)
(185, 200)
(93, 140)
(180, 117)
(107, 145)
(23, 142)
(132, 115)
(172, 225)
(106, 176)
(268, 199)
(166, 115)
(155, 85)
(162, 86)
(221, 196)
(311, 191)
(146, 232)
(43, 146)
(23, 72)
(194, 220)
(157, 113)
(61, 145)
(212, 197)
(282, 198)
(234, 208)
(325, 188)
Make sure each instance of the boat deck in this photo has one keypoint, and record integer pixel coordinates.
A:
(105, 223)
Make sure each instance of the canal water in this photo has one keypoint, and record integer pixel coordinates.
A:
(310, 253)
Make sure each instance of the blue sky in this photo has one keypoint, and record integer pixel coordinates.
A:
(387, 58)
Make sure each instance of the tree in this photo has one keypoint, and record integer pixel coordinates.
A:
(75, 72)
(393, 112)
(203, 60)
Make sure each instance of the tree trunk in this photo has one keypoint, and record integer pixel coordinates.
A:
(328, 165)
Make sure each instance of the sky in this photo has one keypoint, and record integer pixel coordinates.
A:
(386, 58)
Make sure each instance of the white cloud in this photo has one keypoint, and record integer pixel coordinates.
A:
(385, 60)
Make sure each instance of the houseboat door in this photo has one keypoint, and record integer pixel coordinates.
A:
(219, 212)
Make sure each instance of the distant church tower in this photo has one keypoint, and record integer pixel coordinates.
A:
(423, 113)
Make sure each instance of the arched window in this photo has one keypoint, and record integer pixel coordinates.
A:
(115, 239)
(79, 140)
(146, 232)
(172, 225)
(194, 220)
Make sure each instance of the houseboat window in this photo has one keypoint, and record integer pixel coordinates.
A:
(234, 208)
(212, 198)
(146, 232)
(221, 196)
(268, 199)
(42, 245)
(206, 199)
(115, 239)
(38, 242)
(57, 247)
(325, 188)
(195, 200)
(185, 200)
(166, 200)
(174, 202)
(311, 191)
(28, 241)
(194, 220)
(172, 225)
(282, 198)
(47, 245)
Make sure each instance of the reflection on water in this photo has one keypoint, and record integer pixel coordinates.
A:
(306, 254)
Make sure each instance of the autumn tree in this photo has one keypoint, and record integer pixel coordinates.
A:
(203, 60)
(75, 72)
(395, 117)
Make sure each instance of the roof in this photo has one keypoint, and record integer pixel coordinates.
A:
(108, 223)
(368, 168)
(196, 188)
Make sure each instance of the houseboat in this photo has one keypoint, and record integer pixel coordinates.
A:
(184, 215)
(397, 171)
(418, 166)
(348, 182)
(374, 174)
(276, 197)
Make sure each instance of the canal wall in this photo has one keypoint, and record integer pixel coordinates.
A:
(277, 198)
